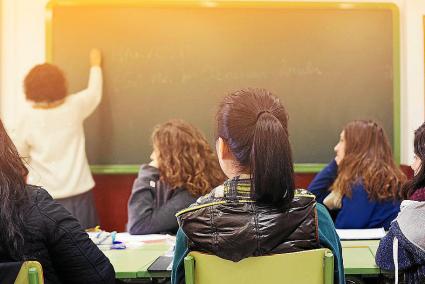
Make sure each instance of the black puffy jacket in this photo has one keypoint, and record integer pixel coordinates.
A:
(229, 224)
(55, 239)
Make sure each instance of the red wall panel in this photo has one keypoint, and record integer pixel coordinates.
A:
(111, 194)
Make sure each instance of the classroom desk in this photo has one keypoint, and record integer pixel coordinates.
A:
(132, 263)
(359, 257)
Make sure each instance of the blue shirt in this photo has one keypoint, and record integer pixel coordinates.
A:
(357, 211)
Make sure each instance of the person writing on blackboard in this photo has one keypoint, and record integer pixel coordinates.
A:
(183, 168)
(257, 211)
(50, 136)
(363, 182)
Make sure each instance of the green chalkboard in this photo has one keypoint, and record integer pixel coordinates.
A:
(329, 64)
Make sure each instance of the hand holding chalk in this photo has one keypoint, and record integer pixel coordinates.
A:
(95, 57)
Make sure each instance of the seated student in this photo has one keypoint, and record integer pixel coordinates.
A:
(415, 189)
(183, 167)
(407, 232)
(363, 181)
(33, 226)
(50, 135)
(257, 210)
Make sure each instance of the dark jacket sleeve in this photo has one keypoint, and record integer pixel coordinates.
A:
(323, 181)
(143, 216)
(76, 259)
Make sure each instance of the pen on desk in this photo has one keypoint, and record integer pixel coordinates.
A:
(104, 238)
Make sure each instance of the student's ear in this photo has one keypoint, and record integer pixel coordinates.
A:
(223, 151)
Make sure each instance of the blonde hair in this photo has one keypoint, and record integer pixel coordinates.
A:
(185, 158)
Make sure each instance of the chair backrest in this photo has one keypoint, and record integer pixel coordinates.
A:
(306, 267)
(31, 273)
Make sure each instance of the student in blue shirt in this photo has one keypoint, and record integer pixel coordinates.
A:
(362, 182)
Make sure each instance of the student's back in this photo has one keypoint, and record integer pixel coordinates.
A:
(362, 182)
(53, 140)
(35, 227)
(257, 211)
(55, 239)
(183, 168)
(249, 228)
(44, 134)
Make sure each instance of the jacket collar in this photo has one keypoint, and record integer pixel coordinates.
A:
(237, 188)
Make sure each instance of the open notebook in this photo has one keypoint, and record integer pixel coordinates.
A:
(361, 234)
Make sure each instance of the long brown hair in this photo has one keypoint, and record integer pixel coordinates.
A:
(185, 158)
(368, 159)
(13, 197)
(418, 180)
(254, 124)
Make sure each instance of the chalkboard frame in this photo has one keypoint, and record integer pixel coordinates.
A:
(299, 167)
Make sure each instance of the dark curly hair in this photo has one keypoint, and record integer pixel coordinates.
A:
(45, 83)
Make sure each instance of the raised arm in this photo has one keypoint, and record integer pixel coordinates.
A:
(88, 99)
(323, 181)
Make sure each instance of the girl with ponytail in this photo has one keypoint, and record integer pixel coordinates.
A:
(257, 211)
(252, 130)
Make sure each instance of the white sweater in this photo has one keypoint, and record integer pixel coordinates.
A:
(52, 141)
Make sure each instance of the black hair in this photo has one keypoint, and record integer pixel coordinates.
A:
(418, 180)
(13, 197)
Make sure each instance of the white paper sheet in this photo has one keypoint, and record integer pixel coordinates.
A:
(361, 234)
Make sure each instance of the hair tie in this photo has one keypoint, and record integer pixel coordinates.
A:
(261, 112)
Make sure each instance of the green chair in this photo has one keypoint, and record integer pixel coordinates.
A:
(305, 267)
(31, 272)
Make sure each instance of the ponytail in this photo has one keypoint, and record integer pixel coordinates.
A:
(271, 172)
(255, 125)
